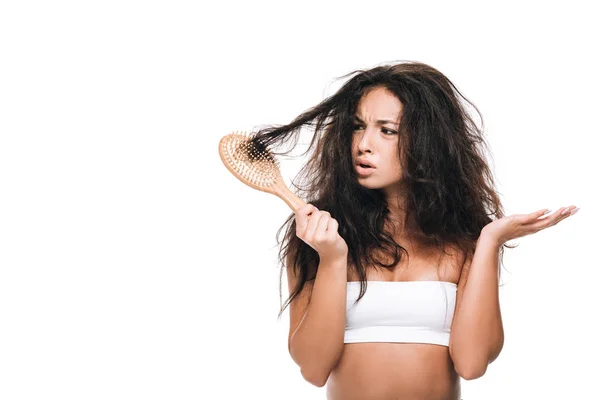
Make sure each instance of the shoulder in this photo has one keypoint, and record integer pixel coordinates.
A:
(459, 255)
(460, 260)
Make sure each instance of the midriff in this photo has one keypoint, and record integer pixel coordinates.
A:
(400, 371)
(394, 371)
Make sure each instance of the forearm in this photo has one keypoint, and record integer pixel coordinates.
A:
(317, 344)
(477, 333)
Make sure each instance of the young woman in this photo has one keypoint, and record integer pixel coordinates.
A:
(393, 267)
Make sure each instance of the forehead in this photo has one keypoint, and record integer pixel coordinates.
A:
(379, 103)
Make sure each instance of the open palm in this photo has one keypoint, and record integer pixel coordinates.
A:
(519, 225)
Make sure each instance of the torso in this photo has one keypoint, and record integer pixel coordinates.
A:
(393, 371)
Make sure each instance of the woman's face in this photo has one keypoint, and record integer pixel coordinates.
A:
(375, 141)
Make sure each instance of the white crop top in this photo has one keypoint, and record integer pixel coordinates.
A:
(407, 311)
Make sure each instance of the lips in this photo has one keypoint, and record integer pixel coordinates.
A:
(364, 163)
(363, 172)
(363, 167)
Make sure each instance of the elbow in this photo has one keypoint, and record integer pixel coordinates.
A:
(472, 371)
(470, 368)
(314, 374)
(316, 378)
(317, 375)
(315, 368)
(473, 364)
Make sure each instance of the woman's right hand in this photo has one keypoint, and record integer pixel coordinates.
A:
(317, 229)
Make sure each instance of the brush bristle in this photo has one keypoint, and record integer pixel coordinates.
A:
(251, 161)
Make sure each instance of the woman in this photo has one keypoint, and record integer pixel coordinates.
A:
(393, 266)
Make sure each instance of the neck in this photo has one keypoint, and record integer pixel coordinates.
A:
(399, 223)
(397, 207)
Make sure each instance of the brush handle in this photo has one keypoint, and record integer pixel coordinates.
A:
(283, 192)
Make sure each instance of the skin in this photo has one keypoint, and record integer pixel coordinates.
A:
(385, 371)
(377, 141)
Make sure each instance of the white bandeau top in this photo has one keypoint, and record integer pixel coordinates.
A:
(406, 311)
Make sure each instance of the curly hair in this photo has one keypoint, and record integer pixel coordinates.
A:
(450, 194)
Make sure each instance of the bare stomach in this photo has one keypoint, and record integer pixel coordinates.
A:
(394, 371)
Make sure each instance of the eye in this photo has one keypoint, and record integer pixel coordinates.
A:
(357, 127)
(388, 131)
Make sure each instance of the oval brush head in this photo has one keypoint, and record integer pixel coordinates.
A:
(256, 167)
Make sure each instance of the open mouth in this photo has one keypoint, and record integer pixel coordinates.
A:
(364, 170)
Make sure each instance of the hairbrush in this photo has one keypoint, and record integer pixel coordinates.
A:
(255, 166)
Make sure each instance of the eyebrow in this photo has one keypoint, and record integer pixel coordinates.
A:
(378, 122)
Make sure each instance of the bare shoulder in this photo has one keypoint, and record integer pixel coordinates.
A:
(459, 256)
(459, 261)
(299, 304)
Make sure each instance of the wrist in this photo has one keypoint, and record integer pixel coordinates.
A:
(335, 261)
(490, 238)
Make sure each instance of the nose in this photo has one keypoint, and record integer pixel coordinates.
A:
(366, 140)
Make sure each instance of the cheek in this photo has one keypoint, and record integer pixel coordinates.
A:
(398, 164)
(394, 159)
(353, 143)
(396, 167)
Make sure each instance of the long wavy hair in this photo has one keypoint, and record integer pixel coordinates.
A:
(450, 187)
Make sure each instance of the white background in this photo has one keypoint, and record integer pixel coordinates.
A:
(134, 266)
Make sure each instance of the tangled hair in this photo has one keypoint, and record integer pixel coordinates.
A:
(450, 188)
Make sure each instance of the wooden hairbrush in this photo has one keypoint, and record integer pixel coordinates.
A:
(256, 167)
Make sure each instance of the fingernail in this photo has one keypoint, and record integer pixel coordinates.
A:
(574, 211)
(546, 212)
(565, 212)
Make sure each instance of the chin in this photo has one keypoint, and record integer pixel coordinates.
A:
(369, 185)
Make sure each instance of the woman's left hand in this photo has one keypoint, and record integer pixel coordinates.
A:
(514, 226)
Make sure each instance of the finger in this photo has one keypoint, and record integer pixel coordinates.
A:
(540, 213)
(313, 222)
(574, 211)
(332, 228)
(563, 213)
(568, 211)
(305, 210)
(535, 216)
(303, 215)
(325, 216)
(552, 219)
(321, 231)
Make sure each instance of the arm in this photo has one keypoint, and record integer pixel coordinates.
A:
(318, 320)
(477, 334)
